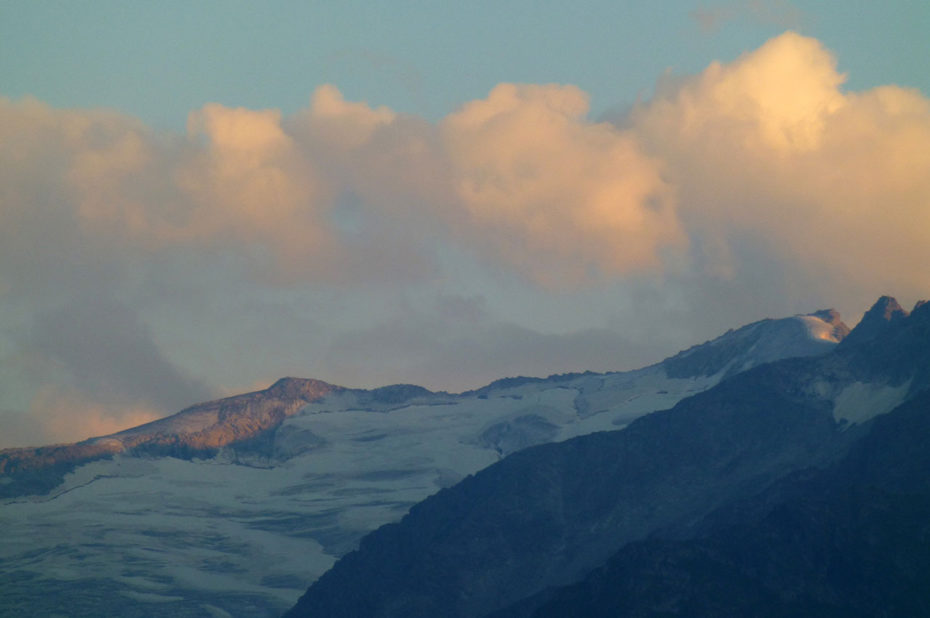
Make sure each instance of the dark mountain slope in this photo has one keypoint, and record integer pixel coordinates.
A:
(883, 314)
(545, 516)
(853, 540)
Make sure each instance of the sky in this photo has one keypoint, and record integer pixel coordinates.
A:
(199, 198)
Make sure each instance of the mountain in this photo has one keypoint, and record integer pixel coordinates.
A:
(235, 506)
(546, 517)
(198, 431)
(850, 540)
(882, 316)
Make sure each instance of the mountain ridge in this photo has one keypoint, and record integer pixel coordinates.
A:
(202, 429)
(546, 515)
(245, 526)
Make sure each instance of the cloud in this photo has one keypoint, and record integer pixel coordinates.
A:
(553, 194)
(86, 368)
(781, 13)
(767, 146)
(770, 156)
(755, 188)
(59, 415)
(456, 344)
(100, 346)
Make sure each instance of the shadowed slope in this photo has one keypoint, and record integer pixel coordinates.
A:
(853, 540)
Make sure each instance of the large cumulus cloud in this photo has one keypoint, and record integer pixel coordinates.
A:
(769, 151)
(553, 194)
(751, 188)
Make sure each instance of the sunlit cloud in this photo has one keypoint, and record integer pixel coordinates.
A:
(556, 196)
(753, 181)
(713, 16)
(69, 415)
(770, 149)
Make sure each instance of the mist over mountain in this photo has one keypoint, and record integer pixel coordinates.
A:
(237, 505)
(702, 498)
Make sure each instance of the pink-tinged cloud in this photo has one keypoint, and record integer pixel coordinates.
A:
(554, 195)
(770, 150)
(69, 415)
(754, 181)
(767, 149)
(713, 16)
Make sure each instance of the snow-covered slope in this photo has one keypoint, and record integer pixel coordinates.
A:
(278, 484)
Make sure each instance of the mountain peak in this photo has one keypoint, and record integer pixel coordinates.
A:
(299, 388)
(760, 342)
(888, 308)
(884, 312)
(199, 430)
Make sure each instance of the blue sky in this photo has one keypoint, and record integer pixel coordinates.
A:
(199, 198)
(160, 60)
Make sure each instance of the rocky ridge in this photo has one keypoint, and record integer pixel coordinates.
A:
(198, 431)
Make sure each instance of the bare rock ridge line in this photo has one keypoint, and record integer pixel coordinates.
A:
(222, 422)
(198, 430)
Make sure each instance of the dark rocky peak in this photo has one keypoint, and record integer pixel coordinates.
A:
(300, 388)
(896, 348)
(398, 393)
(888, 309)
(885, 312)
(392, 396)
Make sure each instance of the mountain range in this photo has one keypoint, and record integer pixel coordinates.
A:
(534, 487)
(798, 487)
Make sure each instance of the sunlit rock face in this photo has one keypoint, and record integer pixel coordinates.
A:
(237, 505)
(762, 457)
(198, 431)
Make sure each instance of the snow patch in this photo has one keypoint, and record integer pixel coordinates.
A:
(860, 401)
(819, 329)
